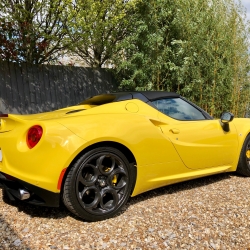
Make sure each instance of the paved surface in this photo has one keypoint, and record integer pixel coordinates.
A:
(207, 213)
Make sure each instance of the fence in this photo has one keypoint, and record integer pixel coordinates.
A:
(37, 88)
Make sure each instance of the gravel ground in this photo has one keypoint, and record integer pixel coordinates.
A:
(207, 213)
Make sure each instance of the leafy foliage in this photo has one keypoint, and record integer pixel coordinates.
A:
(32, 30)
(215, 42)
(97, 27)
(149, 51)
(198, 48)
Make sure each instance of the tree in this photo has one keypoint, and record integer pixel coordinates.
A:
(32, 31)
(97, 27)
(146, 60)
(215, 54)
(197, 48)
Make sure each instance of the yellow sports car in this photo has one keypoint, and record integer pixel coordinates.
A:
(95, 155)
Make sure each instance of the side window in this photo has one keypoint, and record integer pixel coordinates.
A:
(178, 109)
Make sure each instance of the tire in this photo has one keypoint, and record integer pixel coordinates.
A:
(243, 167)
(99, 184)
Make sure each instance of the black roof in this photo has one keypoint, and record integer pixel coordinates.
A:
(144, 96)
(154, 95)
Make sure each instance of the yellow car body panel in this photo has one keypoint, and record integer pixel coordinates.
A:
(166, 150)
(210, 146)
(35, 165)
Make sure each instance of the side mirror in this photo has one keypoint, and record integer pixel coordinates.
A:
(225, 118)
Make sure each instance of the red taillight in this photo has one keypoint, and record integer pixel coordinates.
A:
(3, 115)
(34, 135)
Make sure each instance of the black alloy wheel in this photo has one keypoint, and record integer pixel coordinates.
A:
(99, 184)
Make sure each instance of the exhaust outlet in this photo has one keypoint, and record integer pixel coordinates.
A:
(24, 194)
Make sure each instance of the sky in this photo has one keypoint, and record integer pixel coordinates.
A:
(246, 4)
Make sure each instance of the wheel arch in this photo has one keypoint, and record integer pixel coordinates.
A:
(242, 166)
(126, 151)
(242, 140)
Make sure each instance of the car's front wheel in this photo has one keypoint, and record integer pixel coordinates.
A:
(243, 167)
(98, 184)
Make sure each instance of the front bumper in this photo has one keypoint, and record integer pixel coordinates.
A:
(37, 196)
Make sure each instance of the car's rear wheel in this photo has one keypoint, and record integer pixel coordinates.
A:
(243, 167)
(98, 184)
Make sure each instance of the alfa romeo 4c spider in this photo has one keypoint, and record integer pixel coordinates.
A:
(95, 155)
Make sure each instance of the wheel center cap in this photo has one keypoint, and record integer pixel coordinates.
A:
(102, 182)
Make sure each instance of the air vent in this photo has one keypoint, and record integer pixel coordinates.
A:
(75, 111)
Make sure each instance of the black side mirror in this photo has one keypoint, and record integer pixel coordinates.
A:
(225, 118)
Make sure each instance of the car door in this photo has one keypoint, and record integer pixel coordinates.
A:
(201, 142)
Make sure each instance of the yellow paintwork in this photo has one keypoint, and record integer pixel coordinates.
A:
(166, 150)
(205, 140)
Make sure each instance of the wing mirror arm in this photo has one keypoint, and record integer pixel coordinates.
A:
(225, 118)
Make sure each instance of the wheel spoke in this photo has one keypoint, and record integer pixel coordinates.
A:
(89, 175)
(105, 164)
(90, 197)
(81, 180)
(109, 199)
(118, 179)
(248, 161)
(99, 161)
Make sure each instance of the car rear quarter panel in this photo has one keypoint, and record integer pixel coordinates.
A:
(41, 165)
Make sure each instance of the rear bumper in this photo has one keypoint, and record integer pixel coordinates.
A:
(35, 195)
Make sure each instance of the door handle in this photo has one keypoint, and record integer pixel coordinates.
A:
(174, 130)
